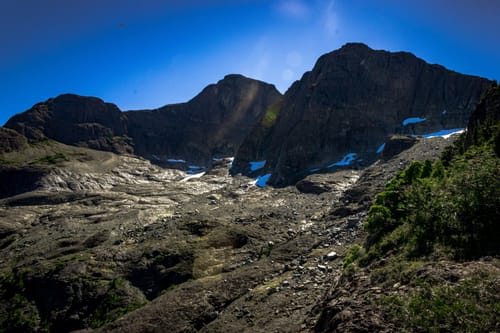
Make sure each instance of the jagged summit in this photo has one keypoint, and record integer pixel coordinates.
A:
(338, 114)
(212, 124)
(234, 77)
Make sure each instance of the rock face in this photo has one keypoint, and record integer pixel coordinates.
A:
(75, 120)
(486, 113)
(14, 180)
(349, 103)
(11, 140)
(396, 144)
(214, 123)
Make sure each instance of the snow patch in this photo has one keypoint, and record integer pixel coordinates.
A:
(345, 161)
(262, 180)
(444, 133)
(254, 166)
(173, 160)
(194, 169)
(381, 148)
(413, 120)
(194, 176)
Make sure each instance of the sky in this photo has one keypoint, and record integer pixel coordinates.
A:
(143, 54)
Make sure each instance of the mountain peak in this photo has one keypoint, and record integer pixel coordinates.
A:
(342, 111)
(70, 97)
(355, 46)
(235, 77)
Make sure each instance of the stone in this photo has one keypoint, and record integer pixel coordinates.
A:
(331, 255)
(396, 144)
(309, 185)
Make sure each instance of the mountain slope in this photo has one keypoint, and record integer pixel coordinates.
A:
(114, 243)
(75, 120)
(352, 99)
(430, 259)
(212, 124)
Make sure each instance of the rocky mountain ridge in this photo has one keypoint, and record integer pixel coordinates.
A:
(341, 112)
(338, 115)
(212, 124)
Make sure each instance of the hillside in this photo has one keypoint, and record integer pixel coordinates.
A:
(430, 259)
(105, 236)
(95, 237)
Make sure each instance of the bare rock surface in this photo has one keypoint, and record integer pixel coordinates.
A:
(212, 124)
(115, 244)
(351, 100)
(10, 140)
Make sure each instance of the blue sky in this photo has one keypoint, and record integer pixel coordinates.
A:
(147, 53)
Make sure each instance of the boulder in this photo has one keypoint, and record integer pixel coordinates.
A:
(313, 185)
(396, 144)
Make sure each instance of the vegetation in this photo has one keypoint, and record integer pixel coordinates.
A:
(353, 254)
(443, 210)
(471, 305)
(17, 313)
(115, 304)
(51, 159)
(428, 209)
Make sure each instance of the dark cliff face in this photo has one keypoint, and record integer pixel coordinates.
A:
(212, 124)
(11, 140)
(75, 120)
(484, 121)
(349, 103)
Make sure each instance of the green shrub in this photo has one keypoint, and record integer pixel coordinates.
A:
(51, 159)
(115, 304)
(468, 306)
(453, 205)
(354, 253)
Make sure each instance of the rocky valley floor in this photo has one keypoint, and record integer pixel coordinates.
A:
(114, 244)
